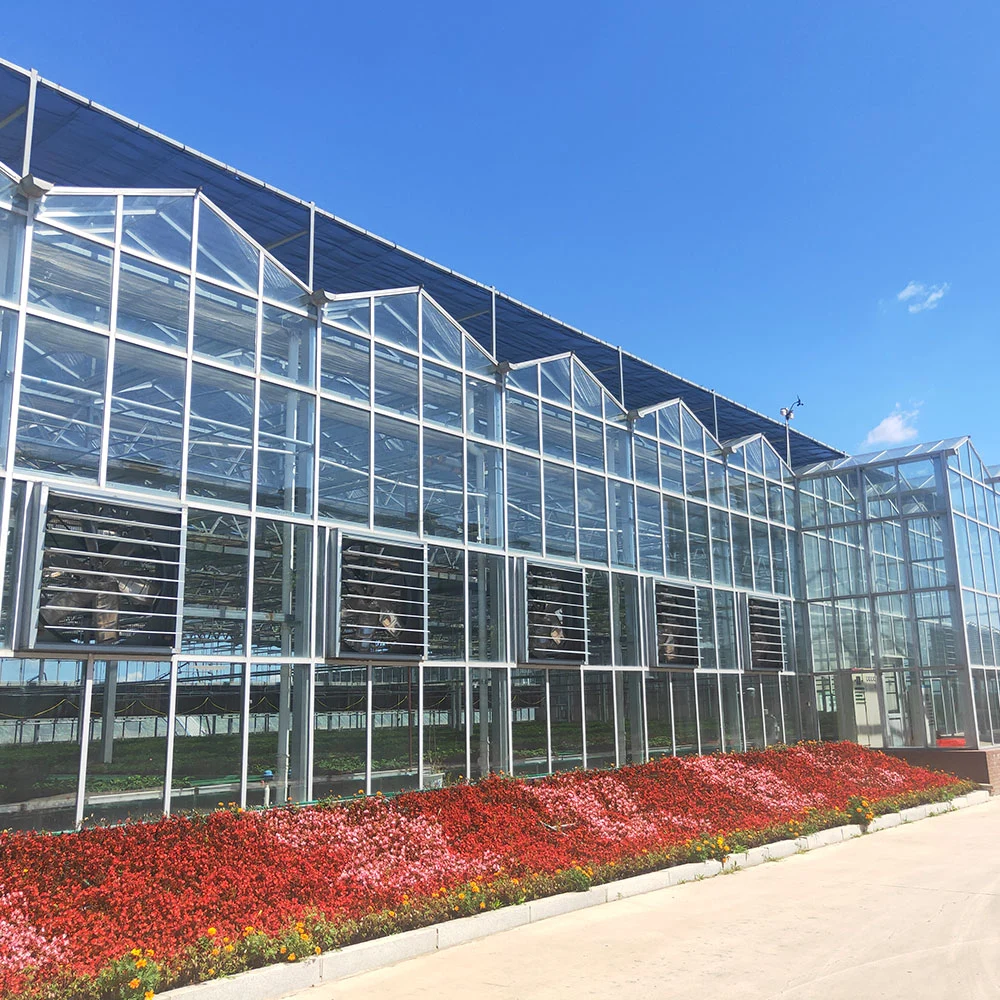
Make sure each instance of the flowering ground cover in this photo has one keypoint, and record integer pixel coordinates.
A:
(127, 911)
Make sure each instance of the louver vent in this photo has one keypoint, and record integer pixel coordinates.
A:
(107, 575)
(381, 599)
(676, 626)
(556, 614)
(767, 651)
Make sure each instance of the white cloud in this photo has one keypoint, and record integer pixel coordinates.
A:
(919, 296)
(897, 428)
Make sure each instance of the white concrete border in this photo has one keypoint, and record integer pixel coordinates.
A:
(274, 981)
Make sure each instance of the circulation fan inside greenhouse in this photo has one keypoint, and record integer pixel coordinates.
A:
(556, 614)
(381, 611)
(676, 626)
(107, 575)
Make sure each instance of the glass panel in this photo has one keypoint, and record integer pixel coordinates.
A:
(557, 433)
(717, 483)
(732, 723)
(589, 443)
(10, 571)
(529, 722)
(779, 560)
(619, 450)
(650, 533)
(599, 702)
(758, 497)
(593, 517)
(147, 414)
(694, 474)
(220, 445)
(556, 381)
(281, 589)
(761, 557)
(445, 603)
(708, 713)
(725, 620)
(395, 724)
(753, 718)
(737, 489)
(477, 361)
(659, 715)
(444, 726)
(587, 391)
(685, 713)
(225, 325)
(396, 319)
(621, 521)
(522, 421)
(442, 396)
(442, 339)
(675, 531)
(11, 254)
(671, 469)
(282, 287)
(396, 468)
(647, 468)
(599, 637)
(340, 724)
(487, 619)
(482, 409)
(721, 565)
(396, 380)
(344, 363)
(208, 748)
(484, 487)
(153, 302)
(158, 225)
(669, 419)
(287, 345)
(126, 759)
(70, 276)
(566, 715)
(625, 619)
(279, 729)
(443, 474)
(771, 693)
(88, 213)
(560, 511)
(524, 503)
(62, 400)
(698, 542)
(354, 315)
(525, 378)
(742, 555)
(225, 254)
(215, 584)
(489, 734)
(693, 435)
(285, 449)
(40, 742)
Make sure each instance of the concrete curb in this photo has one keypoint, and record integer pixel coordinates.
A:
(275, 981)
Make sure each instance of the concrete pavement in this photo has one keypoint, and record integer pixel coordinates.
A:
(912, 912)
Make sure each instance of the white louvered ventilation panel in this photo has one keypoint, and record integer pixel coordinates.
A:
(107, 575)
(767, 649)
(381, 612)
(676, 626)
(556, 614)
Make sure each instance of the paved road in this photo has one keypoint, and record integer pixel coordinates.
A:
(912, 912)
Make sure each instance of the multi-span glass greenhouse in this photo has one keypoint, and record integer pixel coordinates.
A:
(289, 512)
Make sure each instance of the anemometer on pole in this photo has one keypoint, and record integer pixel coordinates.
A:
(788, 412)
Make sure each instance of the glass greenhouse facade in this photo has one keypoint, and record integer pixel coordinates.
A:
(279, 526)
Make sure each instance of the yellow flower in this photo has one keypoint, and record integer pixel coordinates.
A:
(228, 948)
(248, 929)
(317, 950)
(135, 952)
(140, 963)
(148, 995)
(283, 949)
(482, 906)
(211, 932)
(461, 895)
(291, 957)
(211, 972)
(133, 984)
(392, 913)
(150, 953)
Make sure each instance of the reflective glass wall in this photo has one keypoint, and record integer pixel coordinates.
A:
(161, 365)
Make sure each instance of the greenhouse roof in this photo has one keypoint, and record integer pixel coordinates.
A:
(77, 142)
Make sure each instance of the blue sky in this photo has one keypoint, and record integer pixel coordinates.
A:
(772, 199)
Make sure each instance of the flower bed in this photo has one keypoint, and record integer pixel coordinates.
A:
(127, 911)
